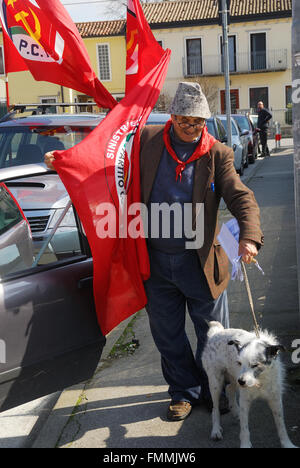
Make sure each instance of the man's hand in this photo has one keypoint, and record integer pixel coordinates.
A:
(248, 250)
(48, 159)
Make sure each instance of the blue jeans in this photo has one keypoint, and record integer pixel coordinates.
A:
(177, 281)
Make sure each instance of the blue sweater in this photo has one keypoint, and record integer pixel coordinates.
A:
(167, 190)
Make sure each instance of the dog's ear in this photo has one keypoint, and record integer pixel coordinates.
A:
(273, 351)
(235, 343)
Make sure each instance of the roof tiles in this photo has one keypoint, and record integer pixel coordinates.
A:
(182, 11)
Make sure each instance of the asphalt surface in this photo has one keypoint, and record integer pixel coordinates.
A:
(124, 405)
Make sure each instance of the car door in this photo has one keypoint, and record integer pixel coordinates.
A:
(243, 138)
(49, 335)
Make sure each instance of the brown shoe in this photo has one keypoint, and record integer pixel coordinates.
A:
(179, 410)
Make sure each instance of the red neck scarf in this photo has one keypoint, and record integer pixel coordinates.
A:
(205, 144)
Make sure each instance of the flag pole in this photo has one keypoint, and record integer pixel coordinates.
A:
(7, 93)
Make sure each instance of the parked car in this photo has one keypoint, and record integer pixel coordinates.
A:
(49, 335)
(216, 129)
(16, 248)
(157, 118)
(254, 119)
(239, 145)
(251, 134)
(23, 142)
(48, 323)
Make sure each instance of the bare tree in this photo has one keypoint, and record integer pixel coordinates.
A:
(163, 103)
(211, 91)
(116, 9)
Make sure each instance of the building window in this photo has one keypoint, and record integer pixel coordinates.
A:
(2, 71)
(288, 95)
(231, 53)
(194, 57)
(49, 100)
(82, 99)
(258, 51)
(234, 99)
(259, 94)
(104, 62)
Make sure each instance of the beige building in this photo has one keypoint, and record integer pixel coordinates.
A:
(259, 49)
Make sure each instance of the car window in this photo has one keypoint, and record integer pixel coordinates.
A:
(65, 243)
(211, 128)
(221, 130)
(233, 127)
(16, 249)
(254, 119)
(27, 145)
(242, 122)
(25, 241)
(10, 214)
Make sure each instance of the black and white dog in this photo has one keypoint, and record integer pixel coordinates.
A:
(251, 366)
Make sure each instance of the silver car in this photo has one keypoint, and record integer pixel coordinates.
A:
(239, 145)
(23, 143)
(49, 335)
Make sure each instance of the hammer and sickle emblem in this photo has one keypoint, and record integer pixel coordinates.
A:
(36, 35)
(131, 39)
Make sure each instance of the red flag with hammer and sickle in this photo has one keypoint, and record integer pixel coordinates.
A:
(143, 51)
(41, 37)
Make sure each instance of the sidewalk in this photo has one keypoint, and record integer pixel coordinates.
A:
(124, 404)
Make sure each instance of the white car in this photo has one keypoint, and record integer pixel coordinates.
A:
(239, 144)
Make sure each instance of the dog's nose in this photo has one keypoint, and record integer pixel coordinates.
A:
(241, 382)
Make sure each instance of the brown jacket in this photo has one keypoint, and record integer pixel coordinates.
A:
(214, 167)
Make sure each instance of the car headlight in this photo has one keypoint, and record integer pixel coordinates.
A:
(67, 221)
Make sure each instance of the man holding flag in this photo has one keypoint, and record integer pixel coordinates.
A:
(181, 163)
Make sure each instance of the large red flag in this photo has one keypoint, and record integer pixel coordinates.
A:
(49, 45)
(102, 176)
(13, 62)
(143, 51)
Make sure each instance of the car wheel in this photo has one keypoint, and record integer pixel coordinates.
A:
(246, 164)
(251, 158)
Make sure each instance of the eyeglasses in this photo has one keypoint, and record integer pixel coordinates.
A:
(186, 125)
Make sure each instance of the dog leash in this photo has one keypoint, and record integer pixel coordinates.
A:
(256, 327)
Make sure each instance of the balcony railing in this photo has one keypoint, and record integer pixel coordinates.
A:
(270, 60)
